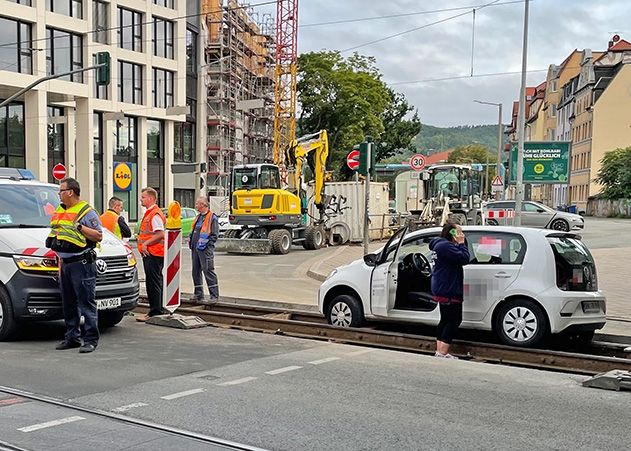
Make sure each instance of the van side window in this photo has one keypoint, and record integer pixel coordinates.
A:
(497, 248)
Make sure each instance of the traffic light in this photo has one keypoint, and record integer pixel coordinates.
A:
(103, 72)
(363, 158)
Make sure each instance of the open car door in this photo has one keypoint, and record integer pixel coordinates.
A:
(383, 283)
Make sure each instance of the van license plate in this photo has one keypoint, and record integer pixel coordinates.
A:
(104, 304)
(591, 306)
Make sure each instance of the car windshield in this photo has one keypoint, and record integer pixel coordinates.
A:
(27, 205)
(575, 267)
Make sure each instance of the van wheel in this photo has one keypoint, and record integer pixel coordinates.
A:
(110, 319)
(521, 323)
(345, 311)
(8, 324)
(314, 238)
(281, 241)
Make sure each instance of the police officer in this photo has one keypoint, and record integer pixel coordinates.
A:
(113, 221)
(202, 244)
(75, 231)
(151, 247)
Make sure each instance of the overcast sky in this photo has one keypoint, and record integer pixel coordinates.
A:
(443, 50)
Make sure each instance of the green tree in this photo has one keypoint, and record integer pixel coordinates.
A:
(615, 174)
(347, 97)
(472, 153)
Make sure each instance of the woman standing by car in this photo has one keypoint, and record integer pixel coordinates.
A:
(450, 255)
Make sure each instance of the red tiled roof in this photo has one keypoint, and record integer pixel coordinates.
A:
(438, 157)
(620, 46)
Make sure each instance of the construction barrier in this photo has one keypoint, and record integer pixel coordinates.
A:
(172, 258)
(501, 217)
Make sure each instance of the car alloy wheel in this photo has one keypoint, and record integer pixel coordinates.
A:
(561, 225)
(520, 324)
(341, 315)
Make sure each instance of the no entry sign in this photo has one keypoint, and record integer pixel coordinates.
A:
(352, 160)
(59, 171)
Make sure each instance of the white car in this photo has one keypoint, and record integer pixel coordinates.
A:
(521, 283)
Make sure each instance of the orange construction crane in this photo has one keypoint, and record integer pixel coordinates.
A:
(285, 78)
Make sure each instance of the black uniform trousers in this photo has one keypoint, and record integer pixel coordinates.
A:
(153, 276)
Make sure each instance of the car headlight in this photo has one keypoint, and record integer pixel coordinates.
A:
(36, 264)
(331, 274)
(131, 260)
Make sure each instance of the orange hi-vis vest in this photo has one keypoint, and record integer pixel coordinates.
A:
(147, 232)
(109, 219)
(205, 230)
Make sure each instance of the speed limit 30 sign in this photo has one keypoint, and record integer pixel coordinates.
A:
(417, 162)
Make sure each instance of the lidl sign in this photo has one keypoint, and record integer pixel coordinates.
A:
(544, 162)
(122, 177)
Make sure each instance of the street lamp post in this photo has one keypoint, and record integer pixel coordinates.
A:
(521, 121)
(500, 134)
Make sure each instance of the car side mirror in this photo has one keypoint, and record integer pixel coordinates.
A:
(370, 259)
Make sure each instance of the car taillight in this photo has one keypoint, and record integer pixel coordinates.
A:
(231, 218)
(272, 218)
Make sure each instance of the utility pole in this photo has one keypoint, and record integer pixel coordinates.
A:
(500, 140)
(521, 121)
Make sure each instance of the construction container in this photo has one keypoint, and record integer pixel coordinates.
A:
(346, 209)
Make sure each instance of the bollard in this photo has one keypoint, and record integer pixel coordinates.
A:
(172, 258)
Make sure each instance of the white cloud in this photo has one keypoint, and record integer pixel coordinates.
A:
(557, 27)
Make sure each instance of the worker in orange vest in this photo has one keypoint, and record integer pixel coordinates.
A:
(113, 221)
(202, 244)
(151, 247)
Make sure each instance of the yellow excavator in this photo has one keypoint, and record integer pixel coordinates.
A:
(272, 217)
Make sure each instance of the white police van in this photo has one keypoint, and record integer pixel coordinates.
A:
(29, 284)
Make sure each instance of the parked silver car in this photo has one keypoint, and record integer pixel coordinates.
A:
(534, 214)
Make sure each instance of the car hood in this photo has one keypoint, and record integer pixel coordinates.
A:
(15, 241)
(569, 216)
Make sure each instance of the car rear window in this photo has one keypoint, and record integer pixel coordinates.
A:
(575, 267)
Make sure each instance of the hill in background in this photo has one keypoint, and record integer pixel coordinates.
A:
(435, 139)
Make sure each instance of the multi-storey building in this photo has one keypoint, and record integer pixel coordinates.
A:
(240, 67)
(71, 120)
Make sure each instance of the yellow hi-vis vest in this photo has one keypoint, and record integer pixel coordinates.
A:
(63, 224)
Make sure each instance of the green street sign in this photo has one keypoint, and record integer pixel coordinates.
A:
(544, 162)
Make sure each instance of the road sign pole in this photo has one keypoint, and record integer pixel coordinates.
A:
(521, 123)
(500, 134)
(367, 205)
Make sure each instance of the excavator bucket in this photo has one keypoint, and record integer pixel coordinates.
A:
(246, 246)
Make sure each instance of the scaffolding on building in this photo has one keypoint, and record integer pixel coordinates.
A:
(240, 67)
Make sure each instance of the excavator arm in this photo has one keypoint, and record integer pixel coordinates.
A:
(297, 155)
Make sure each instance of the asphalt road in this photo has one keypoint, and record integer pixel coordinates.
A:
(290, 394)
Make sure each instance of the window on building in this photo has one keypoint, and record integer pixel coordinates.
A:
(184, 142)
(99, 91)
(163, 86)
(15, 58)
(155, 157)
(553, 110)
(64, 53)
(22, 2)
(165, 3)
(129, 29)
(100, 24)
(97, 153)
(12, 148)
(56, 140)
(162, 38)
(130, 83)
(186, 197)
(72, 8)
(553, 86)
(191, 52)
(125, 150)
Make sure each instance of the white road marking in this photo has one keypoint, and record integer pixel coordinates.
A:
(327, 360)
(50, 424)
(283, 370)
(237, 381)
(183, 393)
(129, 407)
(361, 352)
